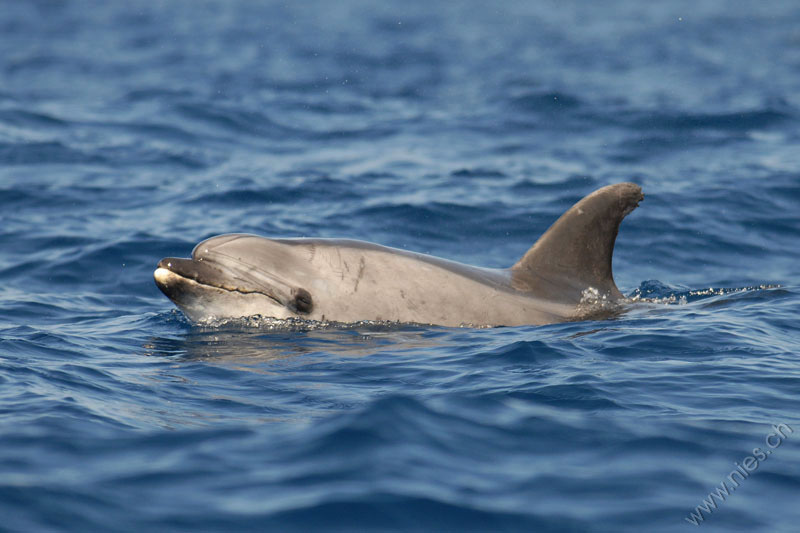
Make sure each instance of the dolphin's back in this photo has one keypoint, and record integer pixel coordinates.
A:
(545, 286)
(496, 277)
(364, 281)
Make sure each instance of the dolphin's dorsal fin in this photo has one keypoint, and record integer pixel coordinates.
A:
(575, 253)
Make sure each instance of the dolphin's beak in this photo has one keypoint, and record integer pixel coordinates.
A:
(171, 284)
(175, 276)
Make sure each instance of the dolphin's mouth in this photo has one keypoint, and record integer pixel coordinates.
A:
(207, 274)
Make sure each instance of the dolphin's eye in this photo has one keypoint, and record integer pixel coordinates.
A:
(302, 301)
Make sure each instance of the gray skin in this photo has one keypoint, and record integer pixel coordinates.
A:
(241, 275)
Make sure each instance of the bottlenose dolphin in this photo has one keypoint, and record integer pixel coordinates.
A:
(240, 275)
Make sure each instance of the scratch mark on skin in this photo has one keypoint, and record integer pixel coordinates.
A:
(360, 275)
(335, 263)
(339, 257)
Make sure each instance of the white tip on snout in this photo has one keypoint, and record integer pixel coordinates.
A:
(162, 275)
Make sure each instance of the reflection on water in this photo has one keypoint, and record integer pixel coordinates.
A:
(239, 342)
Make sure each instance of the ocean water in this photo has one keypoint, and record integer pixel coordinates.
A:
(131, 131)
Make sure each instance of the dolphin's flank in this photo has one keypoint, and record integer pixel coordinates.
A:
(241, 275)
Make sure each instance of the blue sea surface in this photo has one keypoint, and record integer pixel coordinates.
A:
(131, 131)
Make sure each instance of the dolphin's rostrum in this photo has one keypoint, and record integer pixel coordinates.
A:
(241, 275)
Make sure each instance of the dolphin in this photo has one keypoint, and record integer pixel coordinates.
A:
(239, 275)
